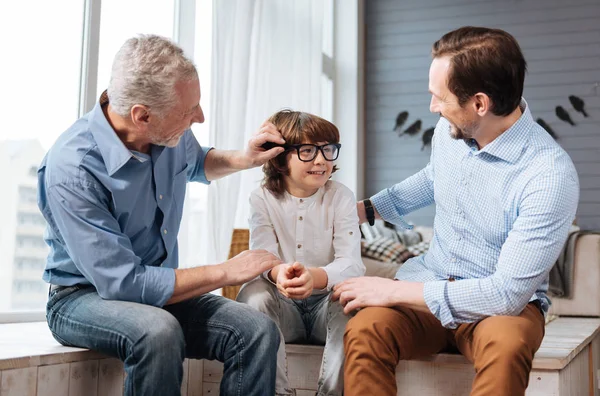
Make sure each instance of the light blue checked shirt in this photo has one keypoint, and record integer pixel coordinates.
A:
(502, 217)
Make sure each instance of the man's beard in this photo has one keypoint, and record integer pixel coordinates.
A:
(464, 133)
(158, 140)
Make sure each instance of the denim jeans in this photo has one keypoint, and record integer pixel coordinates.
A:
(315, 320)
(153, 342)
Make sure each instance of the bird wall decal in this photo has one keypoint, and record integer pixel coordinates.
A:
(578, 104)
(544, 125)
(400, 119)
(563, 115)
(413, 129)
(427, 136)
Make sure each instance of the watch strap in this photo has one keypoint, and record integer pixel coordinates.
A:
(370, 211)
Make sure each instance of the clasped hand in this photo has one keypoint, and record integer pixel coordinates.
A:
(294, 281)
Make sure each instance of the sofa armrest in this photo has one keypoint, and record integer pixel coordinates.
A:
(586, 281)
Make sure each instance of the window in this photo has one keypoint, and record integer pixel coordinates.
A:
(40, 82)
(44, 82)
(327, 77)
(120, 20)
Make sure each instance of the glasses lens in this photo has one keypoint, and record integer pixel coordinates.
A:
(330, 152)
(307, 152)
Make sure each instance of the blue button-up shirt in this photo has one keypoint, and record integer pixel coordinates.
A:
(502, 216)
(113, 214)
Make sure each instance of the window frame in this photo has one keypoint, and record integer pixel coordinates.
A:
(184, 29)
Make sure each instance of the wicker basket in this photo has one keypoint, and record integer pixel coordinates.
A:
(240, 241)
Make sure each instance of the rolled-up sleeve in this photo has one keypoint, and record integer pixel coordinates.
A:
(100, 251)
(546, 212)
(347, 261)
(195, 157)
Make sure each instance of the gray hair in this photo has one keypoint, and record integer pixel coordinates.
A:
(145, 71)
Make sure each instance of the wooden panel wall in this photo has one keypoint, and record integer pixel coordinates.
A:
(561, 43)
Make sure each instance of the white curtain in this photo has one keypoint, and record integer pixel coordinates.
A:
(267, 55)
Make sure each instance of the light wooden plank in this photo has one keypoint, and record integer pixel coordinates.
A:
(210, 389)
(305, 392)
(184, 382)
(110, 377)
(195, 374)
(596, 364)
(574, 378)
(19, 382)
(53, 380)
(213, 371)
(304, 368)
(543, 383)
(31, 344)
(84, 378)
(432, 379)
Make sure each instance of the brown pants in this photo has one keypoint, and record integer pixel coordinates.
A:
(500, 347)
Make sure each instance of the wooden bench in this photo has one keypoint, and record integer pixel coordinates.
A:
(565, 364)
(32, 363)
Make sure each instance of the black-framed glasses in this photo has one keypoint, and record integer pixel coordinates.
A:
(308, 152)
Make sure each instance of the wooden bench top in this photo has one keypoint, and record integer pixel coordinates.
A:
(32, 344)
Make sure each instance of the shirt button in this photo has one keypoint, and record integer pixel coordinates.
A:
(451, 279)
(165, 231)
(454, 259)
(299, 246)
(301, 200)
(300, 218)
(160, 196)
(351, 233)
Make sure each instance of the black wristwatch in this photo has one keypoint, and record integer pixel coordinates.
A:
(370, 211)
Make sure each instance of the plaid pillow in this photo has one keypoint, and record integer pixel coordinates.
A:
(386, 250)
(419, 248)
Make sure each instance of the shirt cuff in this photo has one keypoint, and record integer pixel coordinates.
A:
(159, 285)
(383, 203)
(334, 276)
(266, 276)
(435, 293)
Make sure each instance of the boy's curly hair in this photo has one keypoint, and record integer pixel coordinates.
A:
(296, 127)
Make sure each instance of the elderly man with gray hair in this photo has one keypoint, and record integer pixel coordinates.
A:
(112, 189)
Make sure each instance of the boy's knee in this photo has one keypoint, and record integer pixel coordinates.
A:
(258, 295)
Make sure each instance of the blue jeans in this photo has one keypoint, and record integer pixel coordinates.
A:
(153, 342)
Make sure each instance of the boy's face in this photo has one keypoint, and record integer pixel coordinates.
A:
(307, 177)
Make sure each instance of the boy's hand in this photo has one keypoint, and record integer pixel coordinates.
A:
(281, 274)
(300, 285)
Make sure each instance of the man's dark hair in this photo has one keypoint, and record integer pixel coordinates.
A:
(484, 60)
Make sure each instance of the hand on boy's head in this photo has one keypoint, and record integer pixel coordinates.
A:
(266, 133)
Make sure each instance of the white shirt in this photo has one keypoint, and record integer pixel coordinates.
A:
(318, 231)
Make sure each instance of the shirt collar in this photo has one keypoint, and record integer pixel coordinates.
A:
(307, 200)
(113, 151)
(510, 144)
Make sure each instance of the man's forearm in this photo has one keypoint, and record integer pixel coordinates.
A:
(410, 294)
(221, 163)
(193, 282)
